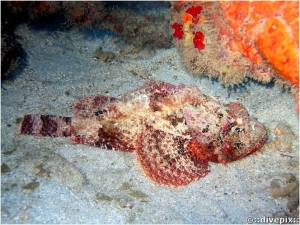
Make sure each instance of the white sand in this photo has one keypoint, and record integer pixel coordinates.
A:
(83, 184)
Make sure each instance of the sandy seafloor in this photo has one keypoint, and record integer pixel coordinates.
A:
(52, 180)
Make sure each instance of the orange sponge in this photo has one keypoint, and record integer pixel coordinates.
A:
(267, 30)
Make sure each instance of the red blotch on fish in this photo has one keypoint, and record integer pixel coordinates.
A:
(174, 130)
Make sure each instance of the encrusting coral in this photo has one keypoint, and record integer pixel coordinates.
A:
(191, 20)
(233, 40)
(175, 130)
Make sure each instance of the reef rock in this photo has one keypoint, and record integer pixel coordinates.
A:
(174, 130)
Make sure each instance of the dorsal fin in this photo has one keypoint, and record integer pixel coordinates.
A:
(91, 106)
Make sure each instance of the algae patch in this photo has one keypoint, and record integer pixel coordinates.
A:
(4, 168)
(31, 185)
(8, 152)
(125, 187)
(103, 197)
(42, 172)
(18, 120)
(134, 193)
(138, 194)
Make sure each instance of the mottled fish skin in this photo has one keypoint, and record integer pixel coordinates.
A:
(46, 125)
(174, 130)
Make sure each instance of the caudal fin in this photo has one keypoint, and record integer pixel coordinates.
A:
(46, 125)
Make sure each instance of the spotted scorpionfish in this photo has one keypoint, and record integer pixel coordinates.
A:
(174, 130)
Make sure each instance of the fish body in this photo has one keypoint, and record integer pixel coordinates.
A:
(174, 130)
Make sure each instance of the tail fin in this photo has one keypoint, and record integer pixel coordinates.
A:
(46, 125)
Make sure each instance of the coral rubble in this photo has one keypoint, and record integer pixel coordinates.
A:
(135, 28)
(286, 186)
(174, 130)
(10, 54)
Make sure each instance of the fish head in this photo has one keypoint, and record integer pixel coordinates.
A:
(223, 132)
